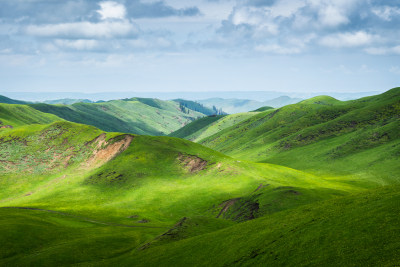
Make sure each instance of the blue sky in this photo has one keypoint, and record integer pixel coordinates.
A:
(199, 45)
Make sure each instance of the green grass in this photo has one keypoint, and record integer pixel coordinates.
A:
(358, 230)
(192, 105)
(139, 181)
(40, 238)
(7, 100)
(322, 135)
(205, 127)
(16, 115)
(263, 109)
(136, 115)
(166, 201)
(190, 130)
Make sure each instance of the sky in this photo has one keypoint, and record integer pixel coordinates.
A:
(91, 46)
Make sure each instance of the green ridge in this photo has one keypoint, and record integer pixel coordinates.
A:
(136, 115)
(6, 100)
(192, 128)
(73, 194)
(322, 138)
(202, 129)
(16, 115)
(359, 230)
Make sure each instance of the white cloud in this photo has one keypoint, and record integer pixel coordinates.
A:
(332, 16)
(77, 44)
(111, 10)
(354, 39)
(83, 30)
(277, 49)
(386, 12)
(332, 13)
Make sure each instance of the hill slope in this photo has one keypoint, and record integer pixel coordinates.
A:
(321, 134)
(205, 127)
(13, 115)
(135, 115)
(74, 194)
(109, 187)
(359, 230)
(6, 100)
(83, 167)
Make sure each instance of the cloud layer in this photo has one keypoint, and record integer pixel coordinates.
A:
(258, 26)
(272, 26)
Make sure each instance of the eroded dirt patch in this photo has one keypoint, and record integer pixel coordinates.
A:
(106, 150)
(192, 163)
(226, 205)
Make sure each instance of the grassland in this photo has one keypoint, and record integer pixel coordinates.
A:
(134, 115)
(324, 191)
(16, 115)
(358, 230)
(205, 127)
(322, 135)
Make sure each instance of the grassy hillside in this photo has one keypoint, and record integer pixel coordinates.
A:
(73, 194)
(322, 135)
(16, 115)
(359, 230)
(74, 164)
(205, 127)
(135, 115)
(100, 187)
(265, 108)
(6, 100)
(195, 126)
(192, 105)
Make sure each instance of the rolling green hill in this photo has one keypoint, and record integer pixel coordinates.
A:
(322, 135)
(73, 194)
(13, 115)
(195, 126)
(205, 127)
(6, 100)
(135, 115)
(262, 109)
(192, 105)
(359, 230)
(85, 180)
(81, 165)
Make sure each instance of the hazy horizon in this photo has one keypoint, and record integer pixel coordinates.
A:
(194, 95)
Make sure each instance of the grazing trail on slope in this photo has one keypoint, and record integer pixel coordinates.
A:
(83, 218)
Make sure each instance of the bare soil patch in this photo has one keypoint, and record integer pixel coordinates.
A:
(106, 150)
(192, 163)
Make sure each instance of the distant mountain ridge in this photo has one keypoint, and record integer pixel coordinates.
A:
(6, 100)
(244, 105)
(194, 95)
(67, 101)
